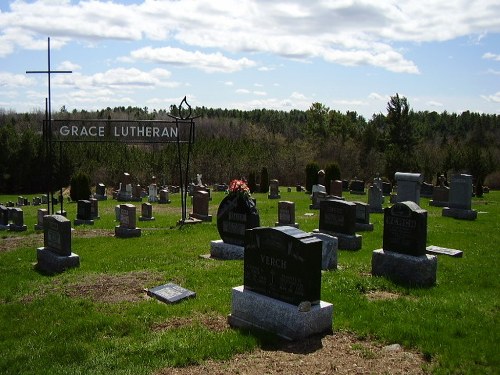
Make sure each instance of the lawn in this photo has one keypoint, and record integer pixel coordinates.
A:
(96, 319)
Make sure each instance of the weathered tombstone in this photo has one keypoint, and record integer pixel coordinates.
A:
(282, 284)
(440, 196)
(460, 198)
(338, 218)
(125, 191)
(42, 212)
(200, 206)
(236, 213)
(4, 217)
(318, 194)
(164, 199)
(94, 208)
(363, 217)
(375, 199)
(321, 177)
(45, 199)
(426, 190)
(17, 217)
(56, 255)
(137, 193)
(357, 187)
(84, 213)
(329, 250)
(127, 227)
(152, 193)
(408, 187)
(345, 185)
(286, 214)
(336, 188)
(37, 201)
(100, 192)
(146, 212)
(386, 188)
(403, 257)
(274, 192)
(377, 181)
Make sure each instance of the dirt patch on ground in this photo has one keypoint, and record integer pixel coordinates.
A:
(126, 287)
(340, 353)
(15, 242)
(377, 295)
(215, 323)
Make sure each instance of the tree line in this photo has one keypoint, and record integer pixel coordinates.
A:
(235, 143)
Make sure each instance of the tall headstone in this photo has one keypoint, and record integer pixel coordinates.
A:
(403, 257)
(338, 218)
(375, 199)
(336, 188)
(408, 187)
(200, 206)
(127, 227)
(321, 177)
(363, 217)
(460, 198)
(56, 254)
(100, 192)
(125, 191)
(318, 194)
(440, 193)
(152, 193)
(164, 197)
(17, 217)
(94, 208)
(146, 212)
(274, 192)
(282, 284)
(386, 188)
(137, 193)
(42, 212)
(286, 214)
(4, 217)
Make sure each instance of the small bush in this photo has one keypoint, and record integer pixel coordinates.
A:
(312, 170)
(332, 172)
(264, 180)
(80, 187)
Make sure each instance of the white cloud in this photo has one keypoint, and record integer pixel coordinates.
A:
(68, 65)
(377, 96)
(213, 62)
(495, 98)
(491, 56)
(433, 103)
(15, 80)
(349, 102)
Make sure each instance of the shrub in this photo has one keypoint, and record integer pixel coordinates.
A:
(332, 172)
(80, 187)
(264, 180)
(252, 183)
(312, 170)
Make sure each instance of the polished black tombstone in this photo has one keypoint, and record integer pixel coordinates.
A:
(337, 216)
(236, 213)
(57, 234)
(283, 263)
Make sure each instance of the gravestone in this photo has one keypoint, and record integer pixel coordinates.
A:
(37, 201)
(170, 293)
(17, 217)
(386, 188)
(338, 218)
(42, 212)
(363, 217)
(440, 196)
(137, 193)
(460, 198)
(45, 199)
(127, 227)
(94, 208)
(117, 213)
(336, 188)
(4, 217)
(56, 254)
(20, 201)
(236, 214)
(152, 193)
(282, 284)
(164, 198)
(274, 192)
(200, 206)
(286, 214)
(329, 250)
(403, 257)
(375, 199)
(377, 181)
(345, 185)
(84, 213)
(426, 190)
(357, 187)
(146, 212)
(100, 192)
(318, 194)
(408, 187)
(321, 177)
(125, 191)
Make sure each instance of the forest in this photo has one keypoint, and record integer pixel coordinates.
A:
(234, 144)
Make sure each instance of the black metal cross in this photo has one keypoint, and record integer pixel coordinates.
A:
(47, 133)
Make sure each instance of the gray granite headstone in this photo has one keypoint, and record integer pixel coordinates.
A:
(57, 234)
(170, 293)
(408, 186)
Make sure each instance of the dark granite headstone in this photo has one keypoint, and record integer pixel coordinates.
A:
(345, 185)
(386, 188)
(336, 188)
(236, 214)
(337, 216)
(84, 210)
(405, 229)
(357, 186)
(460, 192)
(146, 210)
(362, 213)
(283, 263)
(426, 190)
(4, 215)
(286, 213)
(57, 234)
(94, 208)
(100, 190)
(127, 216)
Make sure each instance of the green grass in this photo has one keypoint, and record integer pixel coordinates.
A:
(43, 330)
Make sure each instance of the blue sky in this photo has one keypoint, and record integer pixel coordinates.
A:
(347, 54)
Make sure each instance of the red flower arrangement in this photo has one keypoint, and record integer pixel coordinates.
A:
(239, 187)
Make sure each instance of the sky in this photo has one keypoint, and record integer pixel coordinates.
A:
(350, 55)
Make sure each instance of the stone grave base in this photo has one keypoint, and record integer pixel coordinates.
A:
(17, 228)
(144, 218)
(362, 227)
(278, 224)
(406, 269)
(435, 203)
(346, 242)
(38, 226)
(459, 213)
(82, 222)
(201, 217)
(54, 263)
(256, 311)
(376, 210)
(221, 250)
(127, 232)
